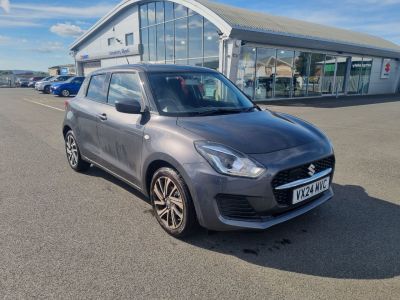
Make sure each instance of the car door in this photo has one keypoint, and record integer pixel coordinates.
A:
(120, 134)
(89, 112)
(75, 85)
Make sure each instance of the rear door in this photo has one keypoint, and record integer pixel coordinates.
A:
(121, 135)
(91, 106)
(76, 85)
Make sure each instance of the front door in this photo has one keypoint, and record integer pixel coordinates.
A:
(120, 134)
(88, 115)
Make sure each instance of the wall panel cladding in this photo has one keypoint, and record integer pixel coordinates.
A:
(384, 86)
(118, 27)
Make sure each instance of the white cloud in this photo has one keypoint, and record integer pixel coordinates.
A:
(5, 4)
(50, 47)
(50, 12)
(11, 22)
(375, 2)
(4, 39)
(67, 30)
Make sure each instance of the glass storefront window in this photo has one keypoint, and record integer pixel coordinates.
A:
(168, 11)
(211, 63)
(180, 11)
(284, 74)
(143, 16)
(195, 36)
(246, 70)
(301, 73)
(354, 86)
(145, 43)
(366, 75)
(160, 43)
(169, 41)
(151, 13)
(328, 81)
(159, 12)
(314, 86)
(152, 44)
(341, 68)
(181, 31)
(211, 39)
(197, 62)
(265, 73)
(172, 33)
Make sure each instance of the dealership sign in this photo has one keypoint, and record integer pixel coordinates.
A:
(387, 67)
(126, 51)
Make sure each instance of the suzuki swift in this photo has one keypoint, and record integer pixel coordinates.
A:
(203, 153)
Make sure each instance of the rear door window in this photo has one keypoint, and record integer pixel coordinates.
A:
(124, 86)
(96, 90)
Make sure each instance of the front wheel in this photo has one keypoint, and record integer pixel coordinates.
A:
(73, 154)
(65, 93)
(172, 203)
(46, 89)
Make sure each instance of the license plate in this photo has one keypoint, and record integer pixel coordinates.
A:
(311, 190)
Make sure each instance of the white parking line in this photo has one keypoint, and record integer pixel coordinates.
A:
(45, 105)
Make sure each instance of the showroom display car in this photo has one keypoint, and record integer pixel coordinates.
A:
(203, 153)
(44, 86)
(67, 88)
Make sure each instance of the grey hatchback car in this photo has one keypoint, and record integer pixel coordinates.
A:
(192, 142)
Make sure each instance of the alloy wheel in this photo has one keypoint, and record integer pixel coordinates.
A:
(72, 151)
(168, 203)
(65, 93)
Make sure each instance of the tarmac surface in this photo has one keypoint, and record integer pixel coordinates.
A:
(69, 235)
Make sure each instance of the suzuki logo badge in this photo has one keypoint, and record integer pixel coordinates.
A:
(311, 170)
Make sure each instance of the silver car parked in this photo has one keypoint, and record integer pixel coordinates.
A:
(202, 152)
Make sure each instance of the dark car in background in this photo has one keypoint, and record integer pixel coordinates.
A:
(67, 88)
(191, 141)
(22, 82)
(33, 80)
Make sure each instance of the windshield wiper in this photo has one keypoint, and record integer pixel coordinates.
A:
(219, 111)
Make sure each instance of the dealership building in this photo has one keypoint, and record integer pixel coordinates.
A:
(268, 57)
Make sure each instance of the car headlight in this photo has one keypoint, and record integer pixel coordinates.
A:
(227, 161)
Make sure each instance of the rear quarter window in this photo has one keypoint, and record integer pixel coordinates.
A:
(96, 90)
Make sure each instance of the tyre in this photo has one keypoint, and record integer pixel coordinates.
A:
(73, 155)
(172, 204)
(46, 89)
(65, 93)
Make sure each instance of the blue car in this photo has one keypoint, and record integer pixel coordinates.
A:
(67, 88)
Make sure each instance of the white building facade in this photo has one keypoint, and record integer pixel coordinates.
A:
(268, 57)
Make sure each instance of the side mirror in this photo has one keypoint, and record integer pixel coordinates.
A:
(132, 107)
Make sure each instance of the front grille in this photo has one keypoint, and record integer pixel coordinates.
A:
(301, 172)
(236, 208)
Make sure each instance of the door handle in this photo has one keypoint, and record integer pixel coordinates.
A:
(103, 117)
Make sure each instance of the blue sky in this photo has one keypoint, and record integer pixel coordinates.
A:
(36, 34)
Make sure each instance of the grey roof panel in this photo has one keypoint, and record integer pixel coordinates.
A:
(242, 19)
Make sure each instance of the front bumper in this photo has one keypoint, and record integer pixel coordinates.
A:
(55, 91)
(230, 203)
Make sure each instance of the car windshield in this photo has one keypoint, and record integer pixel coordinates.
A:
(199, 93)
(70, 80)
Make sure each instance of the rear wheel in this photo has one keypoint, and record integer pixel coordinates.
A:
(65, 93)
(172, 203)
(73, 155)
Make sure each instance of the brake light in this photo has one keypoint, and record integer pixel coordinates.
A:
(66, 103)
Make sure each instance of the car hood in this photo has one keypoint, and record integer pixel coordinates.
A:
(255, 132)
(57, 83)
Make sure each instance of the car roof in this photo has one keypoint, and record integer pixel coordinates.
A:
(150, 68)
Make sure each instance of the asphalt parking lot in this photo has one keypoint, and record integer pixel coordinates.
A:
(69, 235)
